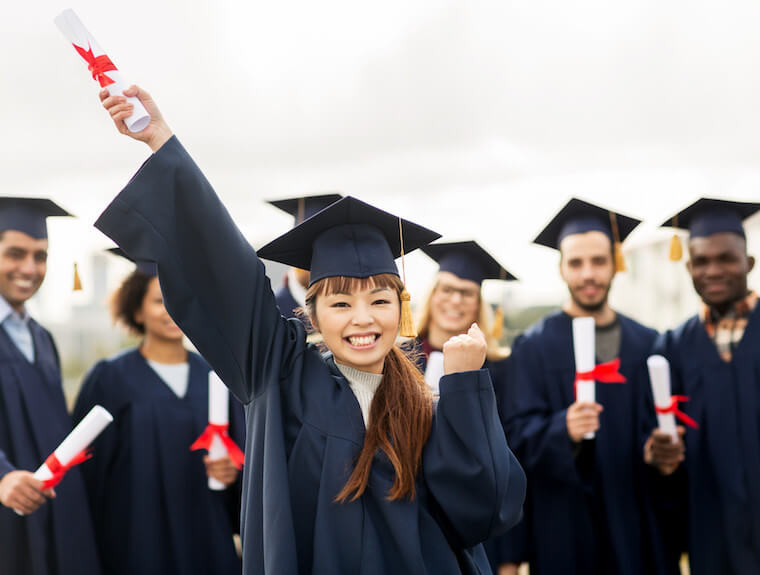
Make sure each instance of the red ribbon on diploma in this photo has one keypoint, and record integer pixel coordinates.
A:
(205, 439)
(605, 372)
(97, 65)
(673, 408)
(58, 470)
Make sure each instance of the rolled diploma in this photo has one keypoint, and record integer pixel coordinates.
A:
(218, 414)
(80, 437)
(584, 348)
(76, 33)
(659, 375)
(434, 372)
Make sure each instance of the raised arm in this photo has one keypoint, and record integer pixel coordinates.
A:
(213, 284)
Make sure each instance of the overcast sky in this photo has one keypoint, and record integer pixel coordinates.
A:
(477, 119)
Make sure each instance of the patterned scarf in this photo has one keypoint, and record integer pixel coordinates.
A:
(727, 330)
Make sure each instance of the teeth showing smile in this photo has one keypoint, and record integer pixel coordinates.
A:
(24, 284)
(361, 340)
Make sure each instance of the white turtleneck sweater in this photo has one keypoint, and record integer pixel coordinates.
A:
(364, 385)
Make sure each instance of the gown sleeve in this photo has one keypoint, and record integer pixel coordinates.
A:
(5, 465)
(537, 434)
(474, 477)
(214, 286)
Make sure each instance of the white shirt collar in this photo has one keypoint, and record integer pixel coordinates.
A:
(296, 289)
(6, 310)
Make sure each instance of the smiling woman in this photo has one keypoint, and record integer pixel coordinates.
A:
(327, 489)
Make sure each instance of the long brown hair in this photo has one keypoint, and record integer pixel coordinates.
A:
(401, 414)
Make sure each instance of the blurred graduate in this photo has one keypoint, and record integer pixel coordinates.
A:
(152, 508)
(715, 363)
(588, 502)
(454, 303)
(291, 297)
(349, 470)
(42, 531)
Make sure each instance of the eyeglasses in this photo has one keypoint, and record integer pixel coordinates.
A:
(466, 294)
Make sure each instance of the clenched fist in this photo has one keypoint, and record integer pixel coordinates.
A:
(465, 352)
(582, 418)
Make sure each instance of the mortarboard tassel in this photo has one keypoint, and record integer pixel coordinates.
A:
(676, 250)
(406, 329)
(497, 330)
(618, 249)
(77, 280)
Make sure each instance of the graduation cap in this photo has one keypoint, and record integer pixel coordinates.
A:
(148, 268)
(28, 215)
(706, 217)
(578, 217)
(354, 239)
(468, 261)
(306, 206)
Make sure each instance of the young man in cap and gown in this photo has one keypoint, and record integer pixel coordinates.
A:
(42, 531)
(715, 362)
(588, 507)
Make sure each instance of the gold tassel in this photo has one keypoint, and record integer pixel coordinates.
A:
(618, 245)
(497, 330)
(619, 258)
(676, 250)
(407, 322)
(77, 280)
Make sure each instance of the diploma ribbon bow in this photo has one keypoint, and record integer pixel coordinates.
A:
(59, 470)
(97, 65)
(673, 408)
(213, 429)
(608, 372)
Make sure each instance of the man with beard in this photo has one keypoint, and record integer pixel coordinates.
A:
(588, 500)
(715, 363)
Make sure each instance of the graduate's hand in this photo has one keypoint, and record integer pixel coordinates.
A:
(223, 470)
(155, 134)
(466, 352)
(508, 568)
(582, 418)
(19, 490)
(662, 453)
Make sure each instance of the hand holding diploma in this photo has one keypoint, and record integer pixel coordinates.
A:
(20, 490)
(155, 134)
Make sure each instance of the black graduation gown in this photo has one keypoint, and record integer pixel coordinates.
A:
(304, 425)
(723, 455)
(152, 509)
(57, 539)
(285, 301)
(591, 514)
(511, 547)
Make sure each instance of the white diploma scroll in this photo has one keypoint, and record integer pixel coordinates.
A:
(659, 375)
(218, 414)
(434, 372)
(584, 348)
(75, 32)
(77, 441)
